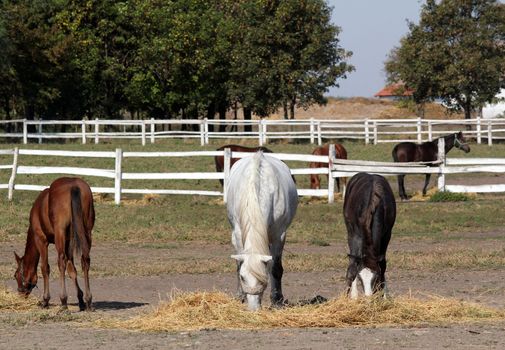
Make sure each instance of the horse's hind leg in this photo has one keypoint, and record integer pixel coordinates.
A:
(426, 182)
(85, 262)
(73, 275)
(59, 242)
(277, 271)
(401, 186)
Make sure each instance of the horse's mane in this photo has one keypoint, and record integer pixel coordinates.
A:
(253, 222)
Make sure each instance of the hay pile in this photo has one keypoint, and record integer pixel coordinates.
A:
(195, 311)
(11, 301)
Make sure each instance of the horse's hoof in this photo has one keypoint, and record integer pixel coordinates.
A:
(63, 309)
(43, 304)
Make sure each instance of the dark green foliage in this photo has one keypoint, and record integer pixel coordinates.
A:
(65, 59)
(445, 196)
(455, 53)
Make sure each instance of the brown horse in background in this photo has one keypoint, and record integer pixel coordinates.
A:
(340, 152)
(219, 160)
(62, 214)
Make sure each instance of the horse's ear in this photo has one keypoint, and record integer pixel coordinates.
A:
(266, 258)
(18, 259)
(239, 257)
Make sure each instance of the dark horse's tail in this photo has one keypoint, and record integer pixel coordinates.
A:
(78, 241)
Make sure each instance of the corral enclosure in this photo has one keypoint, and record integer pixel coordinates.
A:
(152, 244)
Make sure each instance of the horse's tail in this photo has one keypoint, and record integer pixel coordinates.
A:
(253, 222)
(374, 212)
(395, 153)
(78, 241)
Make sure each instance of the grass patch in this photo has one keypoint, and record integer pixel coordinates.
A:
(446, 196)
(201, 310)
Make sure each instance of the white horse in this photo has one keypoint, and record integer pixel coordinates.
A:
(262, 201)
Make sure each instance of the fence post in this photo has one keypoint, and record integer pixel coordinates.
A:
(202, 133)
(489, 133)
(83, 131)
(227, 163)
(441, 166)
(39, 131)
(265, 139)
(375, 133)
(260, 132)
(118, 176)
(311, 128)
(331, 179)
(206, 130)
(319, 137)
(367, 132)
(479, 135)
(97, 129)
(430, 131)
(25, 132)
(152, 130)
(13, 174)
(143, 129)
(419, 130)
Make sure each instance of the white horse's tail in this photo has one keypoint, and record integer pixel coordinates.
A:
(253, 221)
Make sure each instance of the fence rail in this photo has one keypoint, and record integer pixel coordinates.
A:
(118, 175)
(315, 130)
(336, 168)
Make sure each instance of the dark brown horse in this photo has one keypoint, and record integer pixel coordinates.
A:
(219, 160)
(369, 214)
(62, 214)
(340, 152)
(425, 152)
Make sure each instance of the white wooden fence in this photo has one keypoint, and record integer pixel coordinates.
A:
(336, 167)
(316, 130)
(440, 167)
(118, 175)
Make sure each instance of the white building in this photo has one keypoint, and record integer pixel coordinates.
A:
(495, 110)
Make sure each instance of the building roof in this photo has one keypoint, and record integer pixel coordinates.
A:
(395, 90)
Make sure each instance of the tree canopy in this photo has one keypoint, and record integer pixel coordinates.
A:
(455, 53)
(67, 59)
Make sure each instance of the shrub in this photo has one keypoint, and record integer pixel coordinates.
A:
(445, 196)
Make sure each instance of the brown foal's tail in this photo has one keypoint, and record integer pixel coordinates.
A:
(78, 241)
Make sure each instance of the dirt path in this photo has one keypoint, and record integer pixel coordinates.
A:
(129, 295)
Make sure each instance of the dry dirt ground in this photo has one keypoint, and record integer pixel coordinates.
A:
(130, 295)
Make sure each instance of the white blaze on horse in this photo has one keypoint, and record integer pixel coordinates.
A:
(262, 201)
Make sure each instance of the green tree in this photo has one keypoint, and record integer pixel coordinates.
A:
(455, 53)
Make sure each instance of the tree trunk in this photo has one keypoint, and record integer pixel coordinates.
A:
(285, 108)
(292, 108)
(421, 109)
(247, 116)
(7, 109)
(468, 114)
(222, 116)
(211, 112)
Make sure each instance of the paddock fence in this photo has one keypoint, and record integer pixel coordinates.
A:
(118, 176)
(441, 168)
(337, 168)
(371, 131)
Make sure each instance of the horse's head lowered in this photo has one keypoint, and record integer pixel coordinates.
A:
(460, 142)
(367, 271)
(26, 278)
(253, 277)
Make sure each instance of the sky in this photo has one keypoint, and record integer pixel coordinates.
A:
(370, 29)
